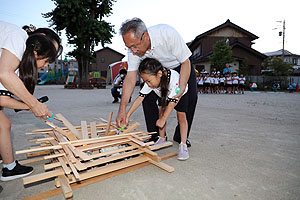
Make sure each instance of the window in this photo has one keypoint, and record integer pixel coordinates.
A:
(197, 51)
(102, 60)
(295, 61)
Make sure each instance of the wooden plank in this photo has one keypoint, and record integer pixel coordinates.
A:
(69, 135)
(84, 130)
(131, 128)
(147, 152)
(113, 158)
(54, 156)
(48, 130)
(39, 149)
(93, 130)
(56, 191)
(31, 160)
(43, 176)
(113, 167)
(108, 123)
(159, 146)
(65, 186)
(137, 141)
(68, 125)
(40, 153)
(163, 166)
(100, 139)
(98, 155)
(103, 145)
(52, 165)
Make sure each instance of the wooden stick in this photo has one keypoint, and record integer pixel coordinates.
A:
(39, 149)
(108, 123)
(43, 176)
(159, 146)
(112, 158)
(96, 140)
(65, 186)
(93, 130)
(137, 141)
(163, 166)
(113, 167)
(69, 135)
(84, 130)
(69, 125)
(131, 128)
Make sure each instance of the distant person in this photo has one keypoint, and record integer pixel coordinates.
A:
(228, 83)
(200, 83)
(222, 83)
(242, 80)
(165, 84)
(214, 71)
(117, 85)
(163, 43)
(227, 69)
(21, 55)
(235, 83)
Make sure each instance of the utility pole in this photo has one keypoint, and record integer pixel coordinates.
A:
(283, 35)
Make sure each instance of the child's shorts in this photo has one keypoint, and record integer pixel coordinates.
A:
(242, 86)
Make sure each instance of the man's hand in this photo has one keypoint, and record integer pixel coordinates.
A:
(121, 119)
(40, 110)
(160, 123)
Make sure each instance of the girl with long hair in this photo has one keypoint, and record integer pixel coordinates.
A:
(165, 84)
(21, 55)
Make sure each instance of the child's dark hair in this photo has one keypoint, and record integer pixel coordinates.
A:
(52, 35)
(45, 48)
(152, 66)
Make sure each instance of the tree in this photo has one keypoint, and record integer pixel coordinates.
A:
(84, 26)
(276, 66)
(222, 54)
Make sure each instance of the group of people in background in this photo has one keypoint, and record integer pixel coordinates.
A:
(217, 83)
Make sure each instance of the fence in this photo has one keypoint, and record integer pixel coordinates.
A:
(266, 82)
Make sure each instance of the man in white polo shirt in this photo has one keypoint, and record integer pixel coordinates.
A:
(163, 43)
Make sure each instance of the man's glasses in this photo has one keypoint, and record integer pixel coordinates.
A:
(137, 46)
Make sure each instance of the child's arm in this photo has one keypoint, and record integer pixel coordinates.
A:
(9, 102)
(162, 119)
(137, 102)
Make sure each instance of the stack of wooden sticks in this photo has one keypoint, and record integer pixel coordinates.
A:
(78, 153)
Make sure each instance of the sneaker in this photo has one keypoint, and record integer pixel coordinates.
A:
(160, 141)
(188, 143)
(183, 153)
(17, 172)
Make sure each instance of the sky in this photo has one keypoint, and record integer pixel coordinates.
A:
(190, 18)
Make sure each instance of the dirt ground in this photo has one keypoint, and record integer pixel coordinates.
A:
(243, 147)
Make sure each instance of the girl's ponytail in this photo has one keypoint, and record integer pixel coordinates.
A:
(152, 66)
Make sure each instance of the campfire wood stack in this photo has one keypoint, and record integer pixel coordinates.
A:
(78, 153)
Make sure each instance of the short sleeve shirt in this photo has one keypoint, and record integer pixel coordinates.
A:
(173, 76)
(13, 39)
(167, 46)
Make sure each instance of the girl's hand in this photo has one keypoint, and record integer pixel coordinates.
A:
(40, 110)
(160, 123)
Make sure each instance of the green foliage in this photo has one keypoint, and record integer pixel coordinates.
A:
(85, 27)
(276, 66)
(222, 54)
